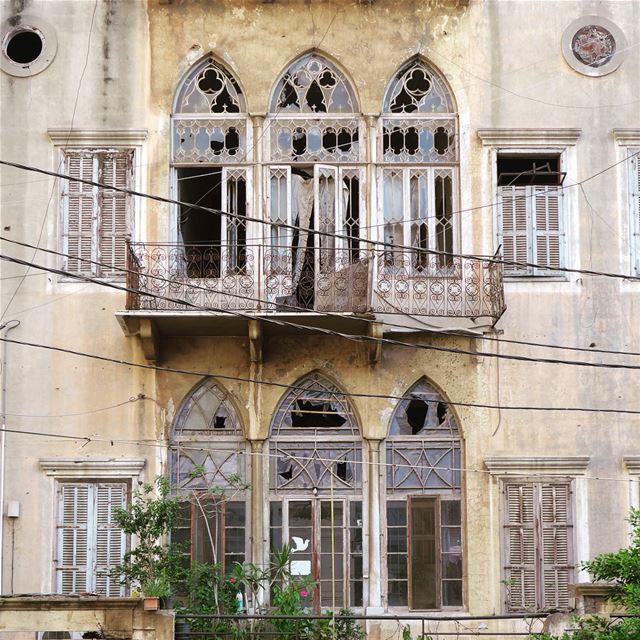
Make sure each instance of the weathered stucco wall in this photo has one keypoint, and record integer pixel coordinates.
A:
(505, 68)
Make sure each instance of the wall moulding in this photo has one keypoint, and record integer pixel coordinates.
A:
(61, 136)
(518, 466)
(87, 467)
(626, 137)
(633, 464)
(504, 137)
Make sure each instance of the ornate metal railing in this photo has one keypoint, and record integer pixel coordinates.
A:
(271, 279)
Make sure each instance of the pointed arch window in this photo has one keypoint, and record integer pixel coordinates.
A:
(315, 487)
(208, 469)
(211, 138)
(418, 147)
(423, 514)
(315, 148)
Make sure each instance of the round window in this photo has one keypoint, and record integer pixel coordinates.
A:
(28, 45)
(24, 47)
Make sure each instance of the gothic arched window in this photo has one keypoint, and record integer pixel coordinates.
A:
(314, 118)
(315, 489)
(424, 526)
(209, 471)
(211, 139)
(419, 151)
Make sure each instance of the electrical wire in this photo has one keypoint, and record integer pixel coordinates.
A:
(386, 245)
(281, 385)
(322, 330)
(132, 400)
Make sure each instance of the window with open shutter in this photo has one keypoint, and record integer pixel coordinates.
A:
(530, 218)
(537, 540)
(89, 542)
(96, 220)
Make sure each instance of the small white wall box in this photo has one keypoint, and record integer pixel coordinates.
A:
(13, 509)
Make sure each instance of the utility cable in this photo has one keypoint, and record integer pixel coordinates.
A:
(281, 385)
(322, 330)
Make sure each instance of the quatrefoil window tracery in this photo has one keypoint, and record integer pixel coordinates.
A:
(210, 89)
(312, 84)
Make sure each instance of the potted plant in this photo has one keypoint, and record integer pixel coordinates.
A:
(153, 590)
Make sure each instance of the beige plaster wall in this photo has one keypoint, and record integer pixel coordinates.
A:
(504, 65)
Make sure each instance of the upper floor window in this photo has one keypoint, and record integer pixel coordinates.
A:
(530, 208)
(424, 520)
(211, 141)
(96, 222)
(418, 136)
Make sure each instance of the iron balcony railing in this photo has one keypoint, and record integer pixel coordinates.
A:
(270, 279)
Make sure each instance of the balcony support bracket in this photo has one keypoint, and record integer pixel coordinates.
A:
(255, 341)
(149, 339)
(375, 346)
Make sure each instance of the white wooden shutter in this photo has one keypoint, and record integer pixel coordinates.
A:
(73, 533)
(555, 528)
(79, 212)
(520, 547)
(545, 203)
(514, 228)
(635, 207)
(110, 538)
(114, 224)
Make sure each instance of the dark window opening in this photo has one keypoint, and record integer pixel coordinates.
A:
(285, 469)
(411, 140)
(442, 412)
(315, 415)
(343, 471)
(288, 97)
(534, 170)
(219, 422)
(441, 140)
(299, 142)
(416, 86)
(352, 217)
(315, 98)
(417, 411)
(421, 260)
(329, 140)
(24, 47)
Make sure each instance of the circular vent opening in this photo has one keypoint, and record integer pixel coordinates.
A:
(24, 47)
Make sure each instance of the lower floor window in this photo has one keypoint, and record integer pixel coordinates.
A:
(424, 552)
(89, 543)
(326, 538)
(212, 531)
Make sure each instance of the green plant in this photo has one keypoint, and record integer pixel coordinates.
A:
(622, 570)
(150, 516)
(159, 587)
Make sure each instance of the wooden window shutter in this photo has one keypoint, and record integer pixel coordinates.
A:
(73, 536)
(520, 556)
(635, 207)
(114, 225)
(555, 529)
(513, 227)
(546, 217)
(80, 207)
(110, 538)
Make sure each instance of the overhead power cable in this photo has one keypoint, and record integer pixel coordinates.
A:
(359, 319)
(281, 385)
(322, 330)
(279, 455)
(376, 243)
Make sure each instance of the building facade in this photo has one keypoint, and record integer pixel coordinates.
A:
(343, 253)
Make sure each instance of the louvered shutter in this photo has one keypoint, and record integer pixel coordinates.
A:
(635, 207)
(513, 228)
(555, 528)
(73, 536)
(115, 171)
(110, 538)
(546, 216)
(520, 569)
(80, 210)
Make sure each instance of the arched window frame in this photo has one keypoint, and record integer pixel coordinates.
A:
(325, 172)
(211, 160)
(418, 175)
(309, 469)
(207, 432)
(416, 484)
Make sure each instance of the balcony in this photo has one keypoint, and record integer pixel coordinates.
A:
(217, 290)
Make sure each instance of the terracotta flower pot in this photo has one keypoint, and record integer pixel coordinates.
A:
(150, 603)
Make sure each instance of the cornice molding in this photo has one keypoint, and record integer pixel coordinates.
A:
(98, 137)
(626, 137)
(87, 467)
(528, 136)
(521, 465)
(633, 464)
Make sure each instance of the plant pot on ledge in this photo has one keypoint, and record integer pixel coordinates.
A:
(150, 603)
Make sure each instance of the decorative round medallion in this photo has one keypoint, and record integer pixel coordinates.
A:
(593, 45)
